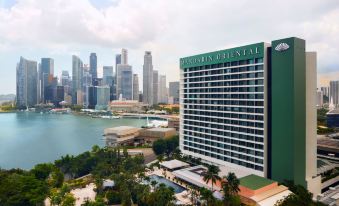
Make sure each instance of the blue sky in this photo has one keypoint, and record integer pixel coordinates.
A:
(170, 29)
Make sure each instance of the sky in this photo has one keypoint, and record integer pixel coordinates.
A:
(169, 28)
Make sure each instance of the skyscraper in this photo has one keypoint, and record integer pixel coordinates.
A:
(162, 89)
(117, 61)
(135, 87)
(107, 75)
(334, 93)
(253, 108)
(103, 94)
(26, 83)
(124, 56)
(77, 76)
(93, 66)
(173, 92)
(65, 78)
(125, 82)
(148, 79)
(46, 75)
(155, 86)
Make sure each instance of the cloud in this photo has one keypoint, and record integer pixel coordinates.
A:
(170, 29)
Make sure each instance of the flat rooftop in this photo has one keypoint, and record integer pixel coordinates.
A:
(173, 164)
(334, 111)
(255, 182)
(160, 129)
(121, 130)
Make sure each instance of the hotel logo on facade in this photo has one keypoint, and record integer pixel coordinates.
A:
(282, 47)
(221, 56)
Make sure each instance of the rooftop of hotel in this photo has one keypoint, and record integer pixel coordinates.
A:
(255, 182)
(173, 164)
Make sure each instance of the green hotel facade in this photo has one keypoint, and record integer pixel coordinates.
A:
(253, 108)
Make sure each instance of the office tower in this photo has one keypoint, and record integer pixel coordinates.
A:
(26, 83)
(124, 56)
(173, 92)
(60, 95)
(91, 97)
(93, 65)
(117, 61)
(103, 95)
(148, 79)
(334, 93)
(107, 76)
(155, 86)
(253, 109)
(124, 82)
(320, 98)
(65, 78)
(135, 87)
(46, 75)
(162, 89)
(77, 74)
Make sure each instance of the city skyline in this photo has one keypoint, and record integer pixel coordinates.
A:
(58, 33)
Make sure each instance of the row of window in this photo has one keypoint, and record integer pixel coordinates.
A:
(218, 119)
(211, 110)
(226, 142)
(215, 116)
(225, 77)
(193, 103)
(226, 64)
(225, 71)
(257, 82)
(235, 96)
(224, 89)
(203, 121)
(224, 158)
(232, 153)
(207, 128)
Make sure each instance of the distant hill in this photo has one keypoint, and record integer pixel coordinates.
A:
(7, 97)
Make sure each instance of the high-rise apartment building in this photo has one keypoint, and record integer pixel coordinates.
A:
(253, 108)
(93, 65)
(173, 92)
(148, 79)
(162, 97)
(26, 83)
(77, 76)
(155, 86)
(334, 93)
(135, 87)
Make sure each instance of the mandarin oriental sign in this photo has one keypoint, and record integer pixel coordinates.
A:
(220, 56)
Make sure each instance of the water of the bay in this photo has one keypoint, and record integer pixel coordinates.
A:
(28, 138)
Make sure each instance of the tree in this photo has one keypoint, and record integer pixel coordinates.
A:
(159, 146)
(162, 195)
(211, 175)
(208, 198)
(68, 200)
(300, 196)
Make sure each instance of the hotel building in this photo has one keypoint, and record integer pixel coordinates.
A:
(253, 108)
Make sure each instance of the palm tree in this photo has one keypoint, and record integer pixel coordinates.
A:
(230, 187)
(233, 183)
(211, 174)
